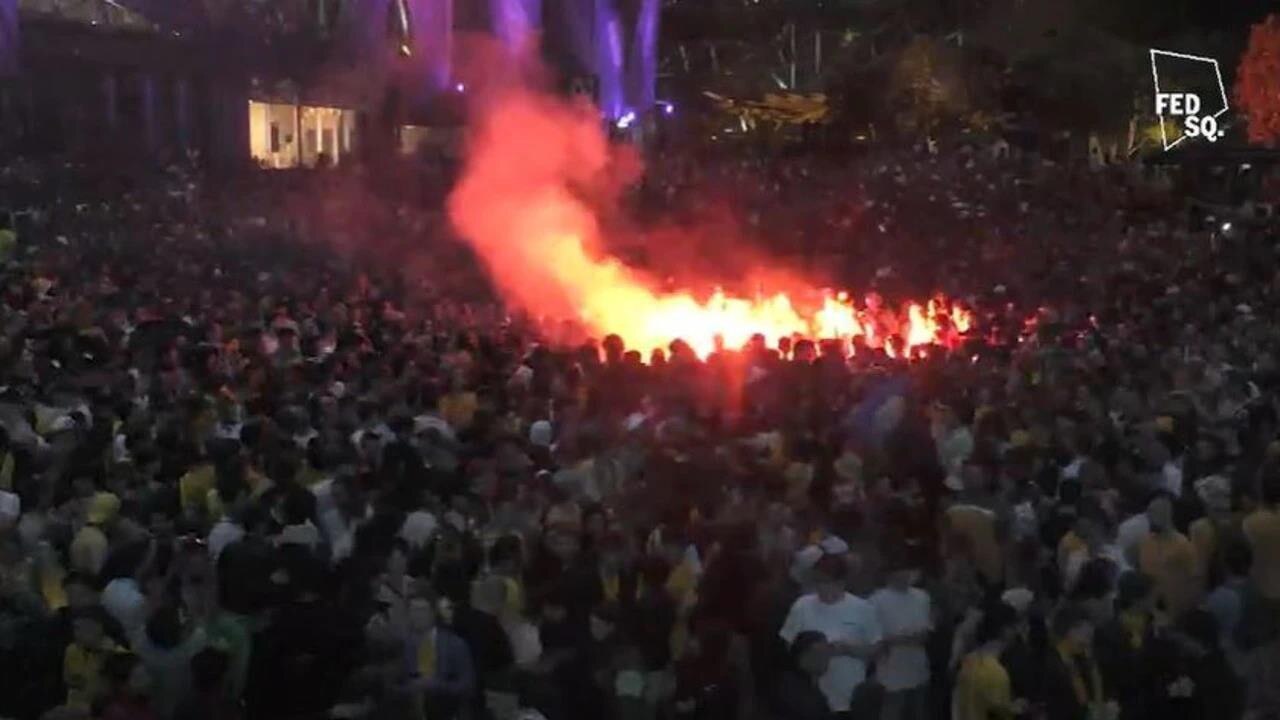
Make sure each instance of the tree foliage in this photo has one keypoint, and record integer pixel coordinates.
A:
(927, 85)
(1257, 88)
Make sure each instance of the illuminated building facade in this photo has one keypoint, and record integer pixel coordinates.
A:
(291, 82)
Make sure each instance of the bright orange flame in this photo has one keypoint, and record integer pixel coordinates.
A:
(518, 204)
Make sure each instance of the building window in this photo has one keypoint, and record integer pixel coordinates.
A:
(284, 135)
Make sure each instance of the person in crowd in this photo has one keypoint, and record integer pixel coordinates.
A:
(85, 658)
(1225, 602)
(128, 694)
(1220, 525)
(440, 666)
(850, 624)
(479, 624)
(1126, 645)
(208, 698)
(1167, 557)
(1073, 687)
(89, 549)
(166, 646)
(1026, 657)
(905, 614)
(1193, 677)
(982, 685)
(1088, 545)
(708, 679)
(976, 526)
(1262, 682)
(799, 694)
(1262, 529)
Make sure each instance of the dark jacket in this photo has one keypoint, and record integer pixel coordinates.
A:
(454, 680)
(1059, 698)
(798, 697)
(298, 662)
(489, 643)
(1129, 674)
(1215, 691)
(1025, 660)
(650, 622)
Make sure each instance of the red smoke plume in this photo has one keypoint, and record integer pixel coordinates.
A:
(537, 166)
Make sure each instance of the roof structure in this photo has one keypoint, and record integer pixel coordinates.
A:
(105, 13)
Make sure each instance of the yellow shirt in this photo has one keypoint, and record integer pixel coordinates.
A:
(82, 672)
(1204, 536)
(682, 586)
(1088, 691)
(514, 597)
(982, 689)
(308, 476)
(427, 656)
(50, 577)
(1262, 528)
(1170, 561)
(978, 526)
(194, 487)
(459, 409)
(682, 583)
(8, 240)
(88, 551)
(1069, 545)
(612, 585)
(1135, 628)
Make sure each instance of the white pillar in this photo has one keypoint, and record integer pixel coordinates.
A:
(297, 134)
(337, 136)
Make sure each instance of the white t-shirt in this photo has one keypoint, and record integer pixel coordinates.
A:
(10, 507)
(1171, 478)
(1072, 470)
(418, 528)
(1131, 532)
(850, 619)
(323, 490)
(306, 534)
(903, 667)
(224, 533)
(954, 448)
(340, 534)
(124, 601)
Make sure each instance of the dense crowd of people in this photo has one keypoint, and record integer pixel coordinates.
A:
(247, 472)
